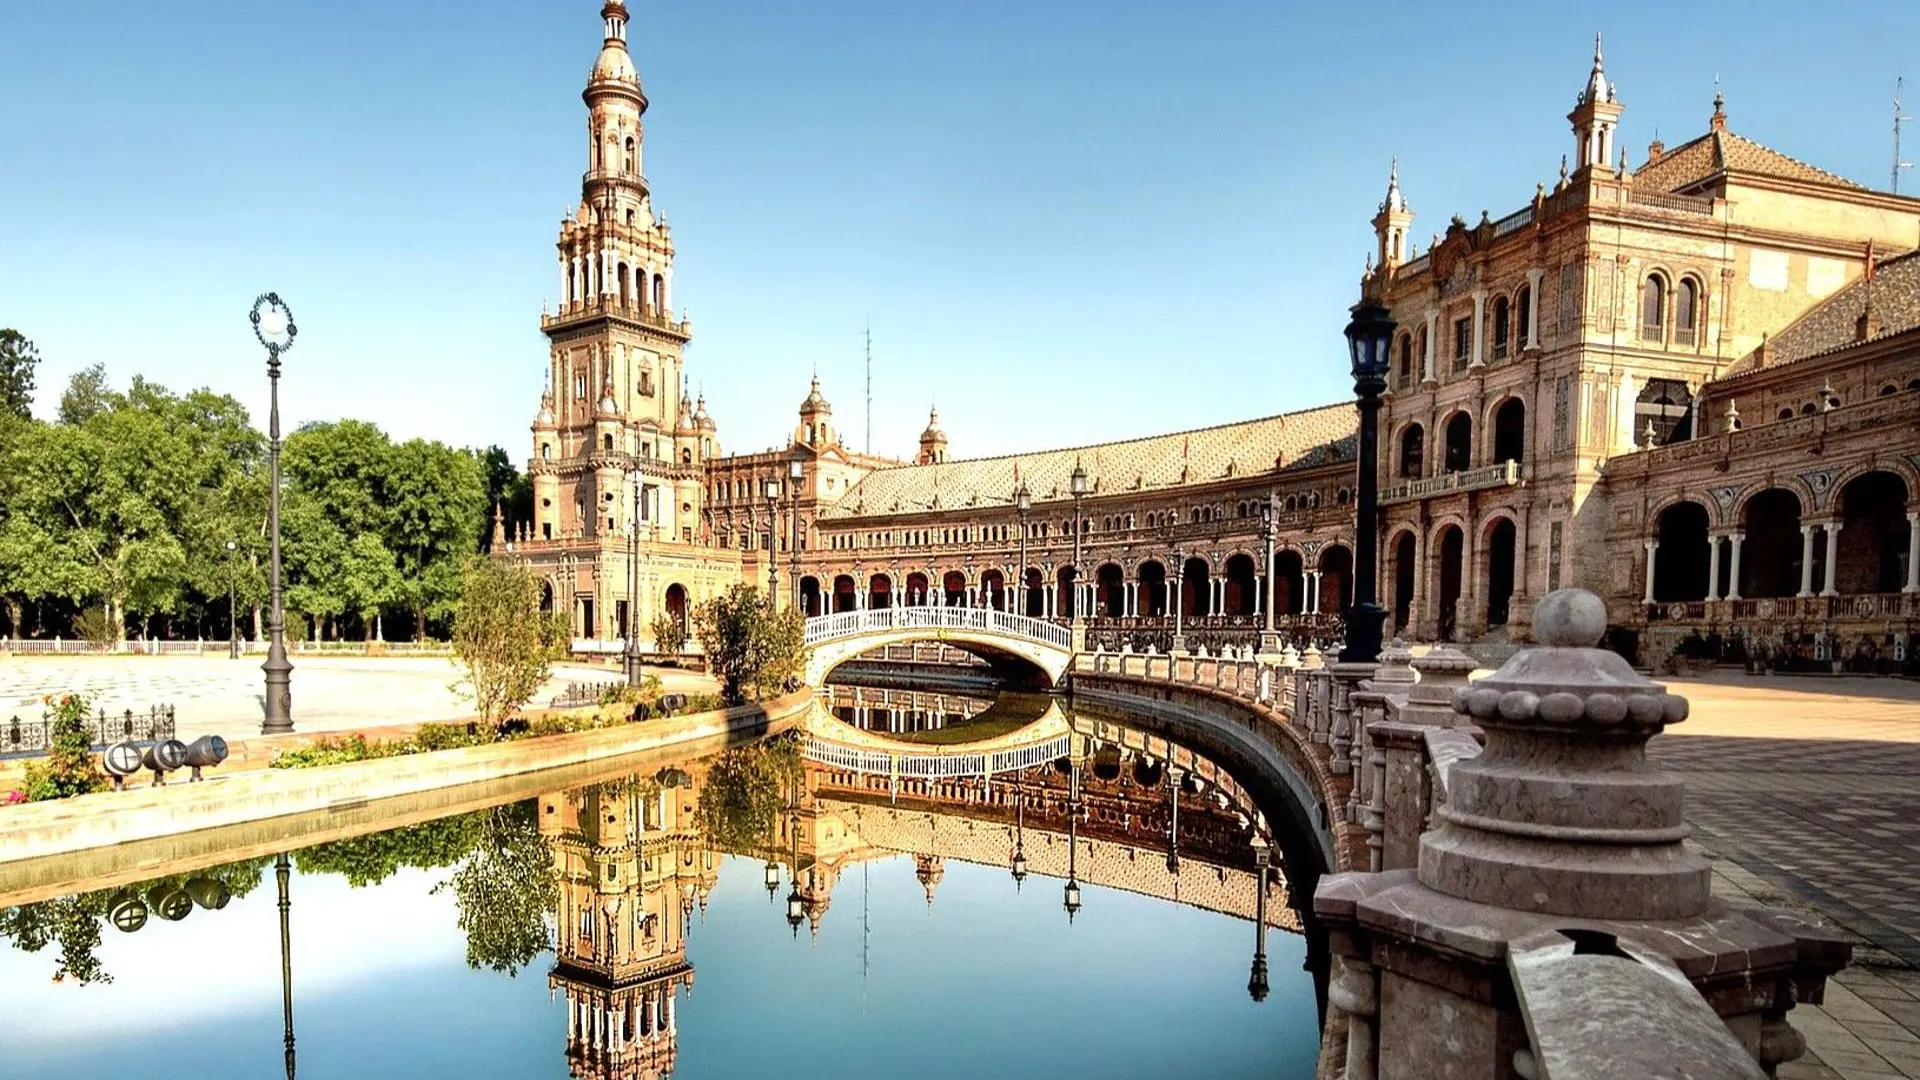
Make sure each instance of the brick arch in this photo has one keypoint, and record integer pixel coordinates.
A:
(1704, 500)
(1788, 483)
(1490, 518)
(1907, 474)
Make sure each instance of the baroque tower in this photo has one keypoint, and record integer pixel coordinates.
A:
(615, 385)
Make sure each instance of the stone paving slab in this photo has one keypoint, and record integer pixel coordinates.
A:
(1807, 791)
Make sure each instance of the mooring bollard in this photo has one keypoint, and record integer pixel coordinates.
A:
(127, 913)
(204, 753)
(207, 893)
(121, 760)
(672, 703)
(163, 758)
(170, 902)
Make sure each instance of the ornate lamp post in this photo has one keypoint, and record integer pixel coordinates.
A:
(1369, 335)
(282, 870)
(233, 617)
(630, 656)
(796, 479)
(1269, 641)
(1179, 598)
(770, 487)
(273, 328)
(1173, 829)
(1023, 504)
(1077, 487)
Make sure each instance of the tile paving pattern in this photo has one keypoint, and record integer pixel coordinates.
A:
(1808, 792)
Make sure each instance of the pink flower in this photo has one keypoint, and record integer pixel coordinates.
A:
(16, 796)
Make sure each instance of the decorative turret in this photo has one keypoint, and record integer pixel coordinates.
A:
(933, 441)
(700, 418)
(929, 870)
(1595, 116)
(684, 425)
(1391, 223)
(816, 420)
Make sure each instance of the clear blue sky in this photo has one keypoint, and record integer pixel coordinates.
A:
(1067, 220)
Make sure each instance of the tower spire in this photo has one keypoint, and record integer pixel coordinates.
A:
(1391, 223)
(1595, 115)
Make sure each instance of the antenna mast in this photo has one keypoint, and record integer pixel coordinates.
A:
(1899, 119)
(869, 333)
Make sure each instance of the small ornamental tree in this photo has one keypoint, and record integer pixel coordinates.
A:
(502, 638)
(669, 634)
(755, 651)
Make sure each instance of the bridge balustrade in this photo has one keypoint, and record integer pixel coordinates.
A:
(824, 628)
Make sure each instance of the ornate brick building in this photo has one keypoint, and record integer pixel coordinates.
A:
(1689, 386)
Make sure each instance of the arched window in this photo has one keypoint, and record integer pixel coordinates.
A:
(1653, 308)
(629, 153)
(1420, 352)
(626, 297)
(1459, 447)
(1525, 303)
(1686, 311)
(1413, 452)
(660, 295)
(1403, 375)
(1502, 327)
(1786, 413)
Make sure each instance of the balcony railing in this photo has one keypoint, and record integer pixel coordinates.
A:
(1505, 474)
(612, 307)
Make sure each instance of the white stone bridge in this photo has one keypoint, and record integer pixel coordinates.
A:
(1015, 646)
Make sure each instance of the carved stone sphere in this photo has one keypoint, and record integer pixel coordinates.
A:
(1570, 618)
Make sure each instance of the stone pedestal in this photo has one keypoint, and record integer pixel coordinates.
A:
(1555, 923)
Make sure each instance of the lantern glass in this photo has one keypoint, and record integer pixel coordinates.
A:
(1369, 336)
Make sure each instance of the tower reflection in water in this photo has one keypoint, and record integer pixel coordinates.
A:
(636, 858)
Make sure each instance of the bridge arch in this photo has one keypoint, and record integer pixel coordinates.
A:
(1022, 650)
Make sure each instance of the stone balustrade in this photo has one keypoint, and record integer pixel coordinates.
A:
(1511, 893)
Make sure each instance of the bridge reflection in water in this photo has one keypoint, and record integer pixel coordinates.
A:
(635, 859)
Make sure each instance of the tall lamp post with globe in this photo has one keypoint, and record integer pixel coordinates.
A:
(1369, 335)
(273, 326)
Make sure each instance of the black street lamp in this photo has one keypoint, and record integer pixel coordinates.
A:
(1369, 335)
(1269, 641)
(631, 654)
(1077, 487)
(282, 870)
(233, 617)
(1023, 504)
(1179, 598)
(770, 487)
(273, 328)
(1173, 829)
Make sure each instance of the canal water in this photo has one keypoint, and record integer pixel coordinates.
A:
(763, 911)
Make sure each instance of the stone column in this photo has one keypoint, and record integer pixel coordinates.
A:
(1259, 595)
(1806, 561)
(1833, 558)
(1426, 361)
(1477, 358)
(1734, 540)
(1533, 308)
(1713, 568)
(1913, 552)
(1651, 546)
(1311, 579)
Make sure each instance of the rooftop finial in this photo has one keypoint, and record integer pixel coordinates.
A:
(1598, 88)
(1719, 121)
(1394, 202)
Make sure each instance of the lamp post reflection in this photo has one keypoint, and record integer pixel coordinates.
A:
(1257, 980)
(1072, 903)
(282, 870)
(1019, 829)
(1173, 829)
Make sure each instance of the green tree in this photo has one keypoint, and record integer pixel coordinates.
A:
(368, 579)
(756, 651)
(18, 359)
(375, 857)
(501, 637)
(505, 891)
(86, 395)
(437, 505)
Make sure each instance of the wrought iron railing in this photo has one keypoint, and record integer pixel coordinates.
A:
(20, 738)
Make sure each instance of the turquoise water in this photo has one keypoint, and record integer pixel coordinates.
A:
(458, 947)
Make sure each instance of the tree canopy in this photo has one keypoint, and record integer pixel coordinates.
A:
(127, 503)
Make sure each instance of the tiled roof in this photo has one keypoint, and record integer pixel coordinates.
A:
(1301, 439)
(1716, 152)
(1895, 289)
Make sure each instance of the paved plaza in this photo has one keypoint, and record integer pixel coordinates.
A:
(218, 696)
(1808, 792)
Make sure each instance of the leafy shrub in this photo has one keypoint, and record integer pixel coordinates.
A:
(68, 769)
(431, 737)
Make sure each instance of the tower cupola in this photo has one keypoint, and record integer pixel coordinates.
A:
(816, 419)
(1595, 117)
(933, 441)
(1391, 223)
